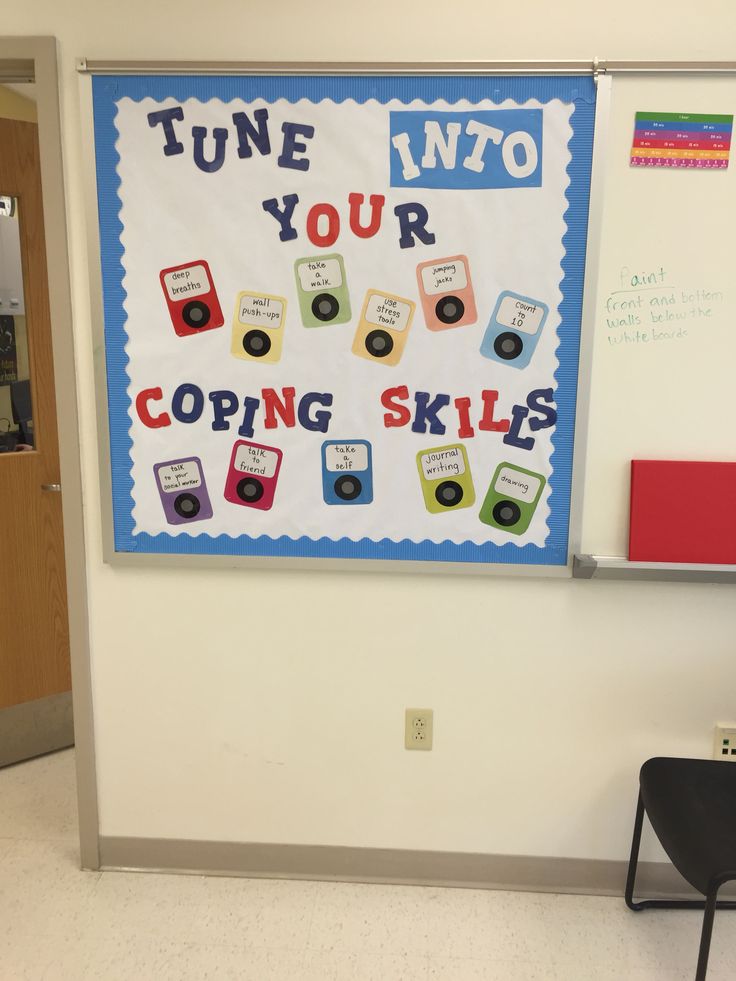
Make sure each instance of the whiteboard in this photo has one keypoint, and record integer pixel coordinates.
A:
(665, 324)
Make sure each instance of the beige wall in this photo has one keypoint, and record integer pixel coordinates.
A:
(16, 106)
(548, 695)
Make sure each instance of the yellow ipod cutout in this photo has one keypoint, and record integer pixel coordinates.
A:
(258, 327)
(383, 328)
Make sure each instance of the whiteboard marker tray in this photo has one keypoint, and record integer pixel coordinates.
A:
(618, 567)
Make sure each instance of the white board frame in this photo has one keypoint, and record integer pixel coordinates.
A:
(86, 68)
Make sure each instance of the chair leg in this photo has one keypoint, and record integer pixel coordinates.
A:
(634, 859)
(657, 903)
(707, 932)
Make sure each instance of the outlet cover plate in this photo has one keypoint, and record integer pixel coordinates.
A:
(418, 728)
(724, 742)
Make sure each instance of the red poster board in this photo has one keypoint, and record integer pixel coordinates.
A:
(682, 512)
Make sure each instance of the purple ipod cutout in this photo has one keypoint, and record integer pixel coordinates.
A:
(183, 491)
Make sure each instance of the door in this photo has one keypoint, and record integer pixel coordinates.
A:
(35, 677)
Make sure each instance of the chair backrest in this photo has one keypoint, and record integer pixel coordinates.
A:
(20, 401)
(692, 807)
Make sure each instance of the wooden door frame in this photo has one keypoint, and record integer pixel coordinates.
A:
(35, 59)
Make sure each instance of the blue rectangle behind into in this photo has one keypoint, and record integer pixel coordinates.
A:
(493, 148)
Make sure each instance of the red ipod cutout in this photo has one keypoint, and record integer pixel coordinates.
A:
(191, 298)
(253, 475)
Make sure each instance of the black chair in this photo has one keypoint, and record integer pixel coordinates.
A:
(691, 804)
(22, 409)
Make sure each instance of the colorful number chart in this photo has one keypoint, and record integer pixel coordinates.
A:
(682, 139)
(342, 313)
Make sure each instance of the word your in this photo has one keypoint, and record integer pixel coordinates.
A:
(178, 475)
(425, 417)
(323, 220)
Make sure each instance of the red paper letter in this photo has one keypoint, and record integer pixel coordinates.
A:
(487, 424)
(273, 405)
(403, 415)
(141, 404)
(333, 229)
(377, 202)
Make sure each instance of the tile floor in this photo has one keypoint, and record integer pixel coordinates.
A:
(60, 924)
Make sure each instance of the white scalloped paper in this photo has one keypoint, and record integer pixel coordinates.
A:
(173, 213)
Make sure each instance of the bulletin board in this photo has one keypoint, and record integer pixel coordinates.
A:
(342, 314)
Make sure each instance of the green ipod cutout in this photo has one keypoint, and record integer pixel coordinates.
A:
(322, 290)
(512, 498)
(444, 473)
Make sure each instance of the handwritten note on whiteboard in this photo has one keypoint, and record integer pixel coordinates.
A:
(652, 306)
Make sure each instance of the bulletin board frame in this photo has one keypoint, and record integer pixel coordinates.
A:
(576, 430)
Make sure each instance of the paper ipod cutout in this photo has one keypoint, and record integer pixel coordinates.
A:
(514, 329)
(384, 327)
(322, 290)
(252, 475)
(191, 298)
(258, 327)
(347, 471)
(446, 293)
(183, 491)
(444, 473)
(512, 498)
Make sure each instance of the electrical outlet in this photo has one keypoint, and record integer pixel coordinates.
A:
(418, 726)
(724, 742)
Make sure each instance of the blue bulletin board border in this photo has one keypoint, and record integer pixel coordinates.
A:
(579, 90)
